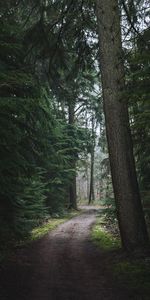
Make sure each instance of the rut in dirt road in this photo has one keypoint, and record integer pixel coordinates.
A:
(64, 265)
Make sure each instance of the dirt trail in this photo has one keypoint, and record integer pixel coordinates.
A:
(64, 265)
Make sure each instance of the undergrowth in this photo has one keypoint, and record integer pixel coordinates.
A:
(103, 238)
(42, 230)
(136, 275)
(10, 242)
(132, 273)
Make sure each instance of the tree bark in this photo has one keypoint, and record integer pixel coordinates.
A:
(87, 163)
(129, 209)
(72, 193)
(92, 194)
(72, 188)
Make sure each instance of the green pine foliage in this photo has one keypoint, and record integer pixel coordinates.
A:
(139, 94)
(37, 145)
(34, 170)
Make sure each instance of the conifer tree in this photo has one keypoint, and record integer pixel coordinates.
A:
(129, 209)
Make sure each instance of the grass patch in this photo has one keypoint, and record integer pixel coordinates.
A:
(42, 230)
(104, 239)
(11, 242)
(132, 273)
(136, 275)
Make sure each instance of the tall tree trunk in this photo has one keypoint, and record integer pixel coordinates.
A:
(92, 194)
(130, 214)
(87, 178)
(72, 188)
(72, 192)
(87, 161)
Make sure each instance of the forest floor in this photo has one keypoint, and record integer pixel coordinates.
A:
(64, 265)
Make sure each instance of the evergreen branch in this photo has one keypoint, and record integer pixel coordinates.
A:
(131, 22)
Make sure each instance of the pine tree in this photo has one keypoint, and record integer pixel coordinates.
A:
(129, 209)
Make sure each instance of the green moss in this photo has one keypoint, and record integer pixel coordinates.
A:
(104, 239)
(133, 274)
(136, 274)
(39, 231)
(10, 243)
(44, 229)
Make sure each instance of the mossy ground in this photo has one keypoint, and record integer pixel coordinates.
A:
(102, 238)
(42, 230)
(136, 275)
(131, 272)
(10, 242)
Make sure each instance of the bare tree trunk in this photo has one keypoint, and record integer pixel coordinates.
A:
(87, 167)
(87, 178)
(72, 188)
(72, 193)
(92, 194)
(130, 214)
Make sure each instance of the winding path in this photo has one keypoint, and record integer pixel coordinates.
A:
(64, 265)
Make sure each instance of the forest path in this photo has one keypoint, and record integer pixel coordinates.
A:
(64, 265)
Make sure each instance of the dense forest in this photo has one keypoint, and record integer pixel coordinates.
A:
(74, 112)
